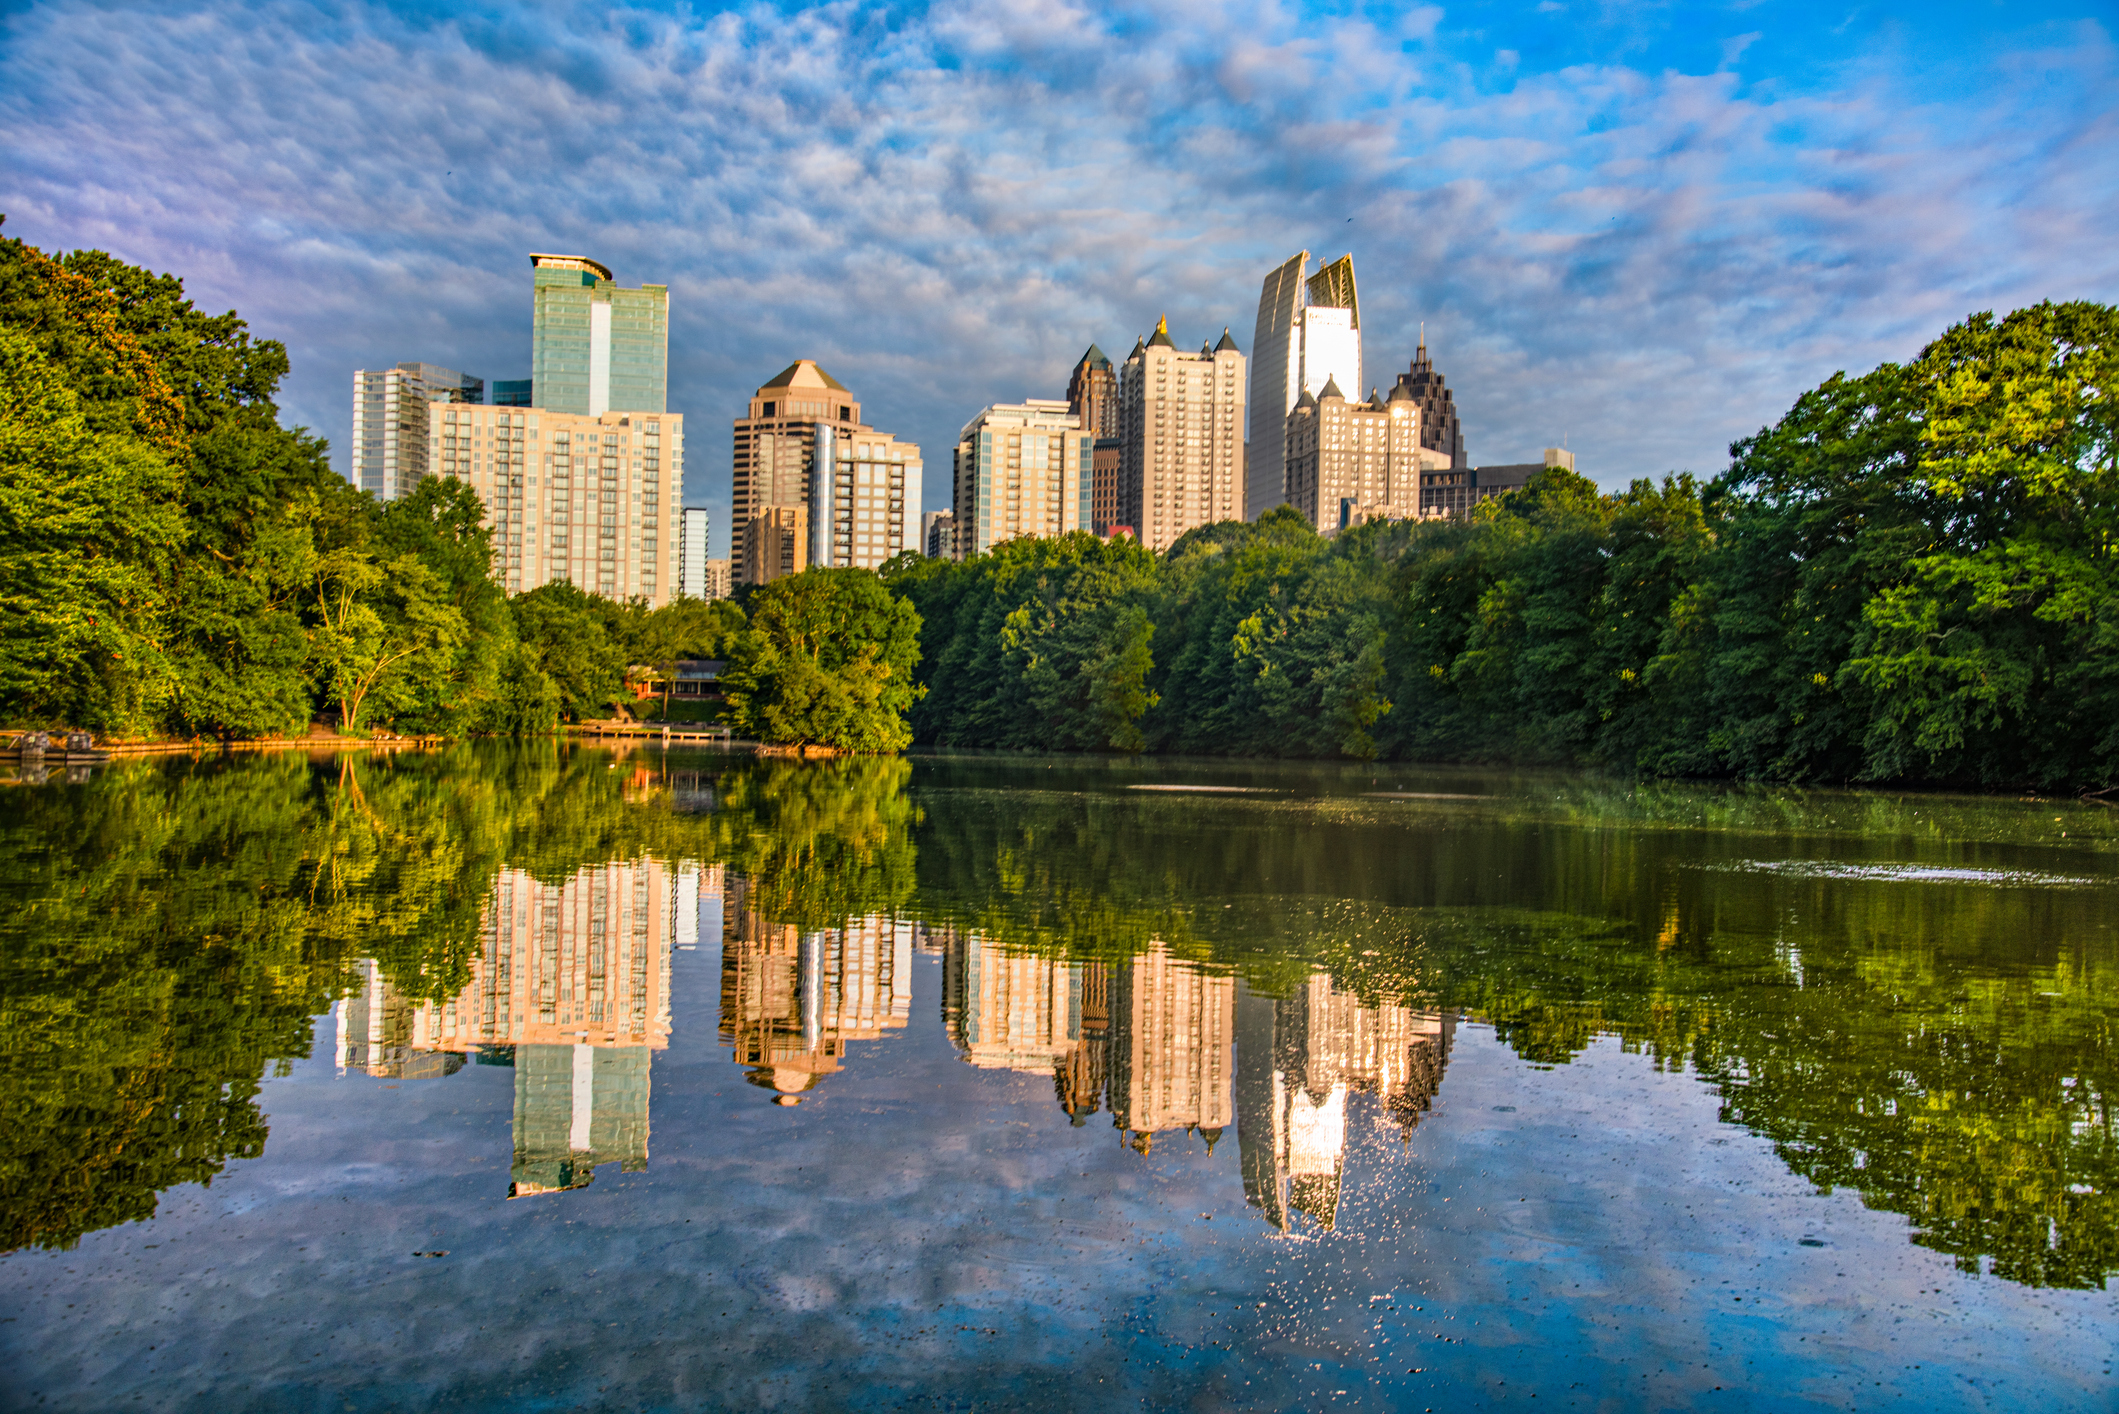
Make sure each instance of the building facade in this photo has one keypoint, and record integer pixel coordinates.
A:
(393, 415)
(1107, 463)
(1350, 462)
(775, 544)
(571, 498)
(692, 525)
(1308, 334)
(801, 444)
(1021, 469)
(594, 347)
(1440, 431)
(720, 581)
(938, 535)
(1092, 394)
(1181, 453)
(1447, 491)
(868, 508)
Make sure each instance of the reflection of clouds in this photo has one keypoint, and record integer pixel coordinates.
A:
(792, 1000)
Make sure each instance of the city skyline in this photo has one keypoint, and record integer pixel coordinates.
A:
(1640, 232)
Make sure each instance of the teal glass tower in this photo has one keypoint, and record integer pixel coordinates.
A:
(594, 347)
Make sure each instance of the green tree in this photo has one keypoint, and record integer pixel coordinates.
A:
(88, 530)
(827, 660)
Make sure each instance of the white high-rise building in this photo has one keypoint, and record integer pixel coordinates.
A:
(1301, 344)
(691, 552)
(391, 427)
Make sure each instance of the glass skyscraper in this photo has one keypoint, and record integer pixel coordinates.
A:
(594, 347)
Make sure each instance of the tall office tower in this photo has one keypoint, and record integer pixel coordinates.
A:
(1439, 429)
(1107, 463)
(1297, 1062)
(1181, 437)
(691, 552)
(1350, 462)
(1171, 1028)
(775, 440)
(596, 348)
(570, 497)
(864, 498)
(792, 1000)
(938, 535)
(720, 581)
(1092, 394)
(1309, 333)
(392, 416)
(1021, 469)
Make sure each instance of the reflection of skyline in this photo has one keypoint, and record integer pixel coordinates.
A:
(792, 1000)
(571, 988)
(1298, 1060)
(1149, 1036)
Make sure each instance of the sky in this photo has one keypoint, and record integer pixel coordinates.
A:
(1640, 230)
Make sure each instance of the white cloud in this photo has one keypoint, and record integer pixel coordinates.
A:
(946, 207)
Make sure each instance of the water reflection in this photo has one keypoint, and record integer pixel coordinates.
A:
(792, 999)
(1913, 1000)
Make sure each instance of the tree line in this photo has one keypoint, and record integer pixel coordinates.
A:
(1909, 577)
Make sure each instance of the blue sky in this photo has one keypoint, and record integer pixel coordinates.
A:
(1642, 228)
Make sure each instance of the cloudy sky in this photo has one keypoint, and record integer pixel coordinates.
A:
(1643, 228)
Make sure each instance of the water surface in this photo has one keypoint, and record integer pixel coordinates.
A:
(562, 1078)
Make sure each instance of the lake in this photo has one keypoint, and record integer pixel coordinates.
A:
(557, 1078)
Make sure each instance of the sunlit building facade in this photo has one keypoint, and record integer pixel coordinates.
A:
(1308, 334)
(573, 498)
(1181, 433)
(1350, 462)
(1021, 469)
(394, 410)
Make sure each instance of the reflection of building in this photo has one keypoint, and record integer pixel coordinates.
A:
(790, 1000)
(1153, 1032)
(375, 1033)
(1171, 1027)
(571, 987)
(1298, 1059)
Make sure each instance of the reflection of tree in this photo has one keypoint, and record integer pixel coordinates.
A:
(170, 928)
(1943, 1049)
(818, 842)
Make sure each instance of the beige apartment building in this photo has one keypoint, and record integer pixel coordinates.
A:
(1021, 469)
(1349, 462)
(1181, 431)
(589, 500)
(1173, 1026)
